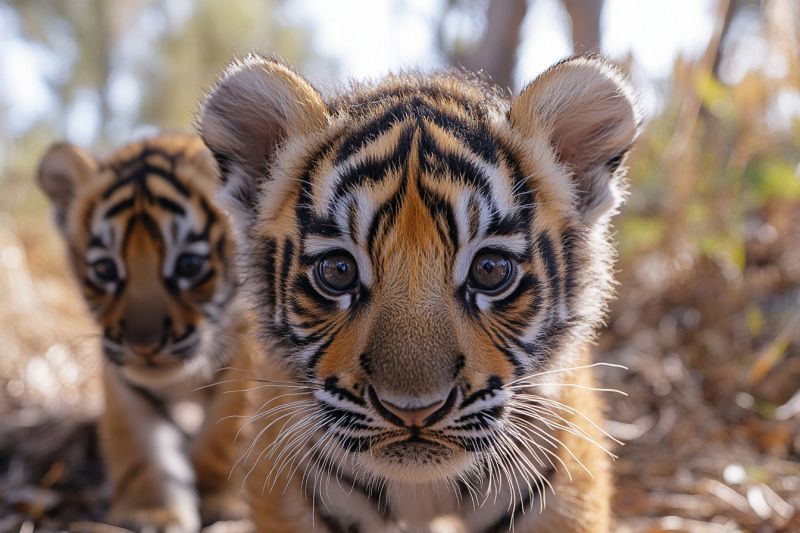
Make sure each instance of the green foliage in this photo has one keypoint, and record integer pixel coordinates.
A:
(731, 163)
(769, 178)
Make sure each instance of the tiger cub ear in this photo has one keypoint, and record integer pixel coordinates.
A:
(586, 111)
(255, 107)
(62, 170)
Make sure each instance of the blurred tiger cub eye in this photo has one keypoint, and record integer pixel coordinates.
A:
(189, 265)
(337, 272)
(105, 270)
(491, 271)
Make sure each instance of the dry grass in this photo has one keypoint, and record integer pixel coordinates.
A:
(710, 419)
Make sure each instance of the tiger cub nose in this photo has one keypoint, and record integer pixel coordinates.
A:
(413, 417)
(144, 347)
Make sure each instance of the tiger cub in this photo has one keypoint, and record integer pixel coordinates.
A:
(154, 258)
(427, 260)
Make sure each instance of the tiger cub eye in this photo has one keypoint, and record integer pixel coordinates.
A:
(105, 270)
(189, 265)
(490, 271)
(337, 272)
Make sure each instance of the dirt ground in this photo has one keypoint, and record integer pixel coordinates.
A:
(710, 420)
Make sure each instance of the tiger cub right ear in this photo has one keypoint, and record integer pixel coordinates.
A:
(62, 170)
(255, 107)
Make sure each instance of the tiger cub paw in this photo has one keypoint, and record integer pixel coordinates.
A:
(223, 507)
(157, 520)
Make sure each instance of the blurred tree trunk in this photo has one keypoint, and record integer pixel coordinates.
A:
(496, 53)
(100, 49)
(727, 18)
(584, 18)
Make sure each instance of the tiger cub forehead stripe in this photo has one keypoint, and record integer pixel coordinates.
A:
(367, 167)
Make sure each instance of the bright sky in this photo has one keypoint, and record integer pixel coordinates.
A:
(368, 38)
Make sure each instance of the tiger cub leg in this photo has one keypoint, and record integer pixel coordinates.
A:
(214, 452)
(152, 481)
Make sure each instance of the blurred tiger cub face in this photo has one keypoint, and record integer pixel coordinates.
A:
(149, 248)
(415, 246)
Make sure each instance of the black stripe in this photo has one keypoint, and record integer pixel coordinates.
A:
(474, 210)
(473, 134)
(224, 163)
(439, 207)
(140, 174)
(387, 212)
(570, 241)
(547, 339)
(286, 263)
(119, 207)
(492, 384)
(548, 254)
(478, 421)
(323, 227)
(527, 283)
(377, 126)
(374, 169)
(508, 225)
(352, 220)
(267, 264)
(305, 198)
(170, 205)
(519, 369)
(524, 194)
(436, 161)
(341, 393)
(303, 286)
(359, 104)
(317, 355)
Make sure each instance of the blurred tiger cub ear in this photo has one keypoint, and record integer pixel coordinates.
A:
(585, 109)
(255, 106)
(62, 170)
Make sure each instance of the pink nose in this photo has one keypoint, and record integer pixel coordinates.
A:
(144, 348)
(413, 417)
(416, 417)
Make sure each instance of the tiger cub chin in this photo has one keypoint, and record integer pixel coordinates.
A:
(153, 257)
(427, 259)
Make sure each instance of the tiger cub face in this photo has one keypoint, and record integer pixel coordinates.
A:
(149, 248)
(415, 247)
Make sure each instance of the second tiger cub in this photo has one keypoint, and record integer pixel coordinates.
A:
(154, 259)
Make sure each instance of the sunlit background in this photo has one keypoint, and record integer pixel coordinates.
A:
(708, 315)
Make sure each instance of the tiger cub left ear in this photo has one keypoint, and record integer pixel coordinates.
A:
(254, 109)
(62, 171)
(586, 111)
